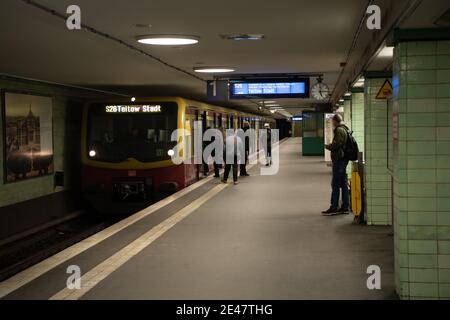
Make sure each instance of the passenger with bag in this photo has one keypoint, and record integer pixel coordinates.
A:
(343, 149)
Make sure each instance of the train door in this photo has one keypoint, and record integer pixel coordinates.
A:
(190, 167)
(217, 120)
(256, 124)
(210, 120)
(204, 118)
(196, 165)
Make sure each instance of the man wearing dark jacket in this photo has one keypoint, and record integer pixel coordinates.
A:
(340, 180)
(243, 166)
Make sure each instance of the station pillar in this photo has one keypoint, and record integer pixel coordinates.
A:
(357, 116)
(377, 178)
(348, 122)
(421, 163)
(347, 112)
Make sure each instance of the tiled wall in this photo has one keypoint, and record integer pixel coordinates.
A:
(348, 113)
(348, 122)
(378, 180)
(422, 169)
(357, 118)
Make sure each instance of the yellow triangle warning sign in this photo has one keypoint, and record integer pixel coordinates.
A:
(385, 91)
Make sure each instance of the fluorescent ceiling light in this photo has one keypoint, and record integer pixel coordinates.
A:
(168, 40)
(267, 102)
(348, 94)
(213, 69)
(359, 83)
(272, 105)
(386, 52)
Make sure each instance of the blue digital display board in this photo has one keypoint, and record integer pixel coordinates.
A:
(272, 88)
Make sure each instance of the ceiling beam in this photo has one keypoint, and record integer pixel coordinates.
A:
(367, 42)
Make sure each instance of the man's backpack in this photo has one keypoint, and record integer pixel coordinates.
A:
(351, 149)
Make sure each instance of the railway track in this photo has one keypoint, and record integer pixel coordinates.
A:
(23, 253)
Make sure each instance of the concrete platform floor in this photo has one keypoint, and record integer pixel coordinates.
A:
(262, 239)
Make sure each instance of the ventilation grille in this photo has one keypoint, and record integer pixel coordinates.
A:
(242, 37)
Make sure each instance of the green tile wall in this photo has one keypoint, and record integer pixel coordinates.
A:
(348, 122)
(357, 118)
(421, 165)
(348, 113)
(378, 180)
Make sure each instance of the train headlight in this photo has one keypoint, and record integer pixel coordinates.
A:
(92, 153)
(170, 152)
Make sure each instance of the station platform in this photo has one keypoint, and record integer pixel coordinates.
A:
(261, 239)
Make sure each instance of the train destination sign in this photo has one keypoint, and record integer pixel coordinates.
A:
(269, 88)
(133, 108)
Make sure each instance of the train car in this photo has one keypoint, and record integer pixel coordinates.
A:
(126, 162)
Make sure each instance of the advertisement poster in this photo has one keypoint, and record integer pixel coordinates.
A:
(28, 136)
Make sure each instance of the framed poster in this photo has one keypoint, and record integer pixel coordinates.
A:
(27, 136)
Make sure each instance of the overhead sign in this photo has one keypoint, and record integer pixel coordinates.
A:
(385, 91)
(217, 90)
(269, 88)
(133, 109)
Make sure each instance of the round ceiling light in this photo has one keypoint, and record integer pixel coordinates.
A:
(213, 69)
(168, 40)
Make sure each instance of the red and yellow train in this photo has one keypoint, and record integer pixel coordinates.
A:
(125, 148)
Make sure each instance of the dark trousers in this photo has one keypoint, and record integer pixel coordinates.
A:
(269, 155)
(243, 166)
(227, 171)
(216, 169)
(338, 183)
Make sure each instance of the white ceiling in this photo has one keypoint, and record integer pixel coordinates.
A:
(301, 36)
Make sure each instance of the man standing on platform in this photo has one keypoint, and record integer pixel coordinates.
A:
(232, 156)
(246, 141)
(340, 180)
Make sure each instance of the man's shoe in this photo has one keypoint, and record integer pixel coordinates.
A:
(235, 182)
(216, 176)
(343, 211)
(244, 174)
(330, 212)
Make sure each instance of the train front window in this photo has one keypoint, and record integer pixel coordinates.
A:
(142, 132)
